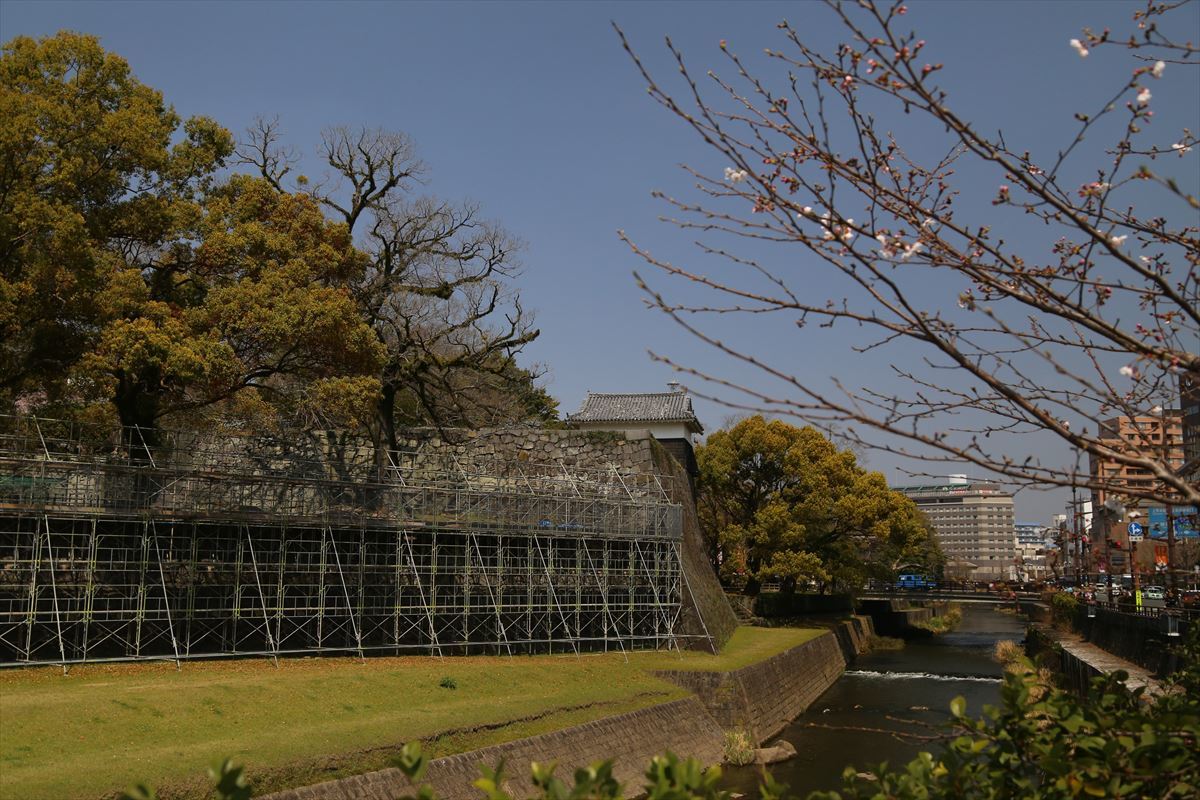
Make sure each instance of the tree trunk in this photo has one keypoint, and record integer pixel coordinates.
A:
(138, 411)
(385, 428)
(753, 583)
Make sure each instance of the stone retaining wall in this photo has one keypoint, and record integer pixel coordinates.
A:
(854, 635)
(632, 739)
(760, 699)
(763, 698)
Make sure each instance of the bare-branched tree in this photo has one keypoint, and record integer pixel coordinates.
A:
(437, 289)
(1050, 336)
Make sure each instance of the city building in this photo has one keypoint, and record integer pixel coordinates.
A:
(1033, 541)
(1131, 531)
(1152, 432)
(973, 521)
(1032, 533)
(1189, 406)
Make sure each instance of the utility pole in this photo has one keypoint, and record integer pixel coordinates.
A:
(1171, 551)
(1166, 444)
(1077, 536)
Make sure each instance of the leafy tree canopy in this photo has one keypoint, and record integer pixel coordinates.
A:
(92, 190)
(139, 279)
(783, 501)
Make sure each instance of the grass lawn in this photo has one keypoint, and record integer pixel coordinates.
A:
(102, 728)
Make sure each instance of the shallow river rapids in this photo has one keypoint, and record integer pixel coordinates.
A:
(916, 683)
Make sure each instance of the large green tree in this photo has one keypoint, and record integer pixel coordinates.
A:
(96, 182)
(783, 501)
(257, 301)
(140, 280)
(137, 283)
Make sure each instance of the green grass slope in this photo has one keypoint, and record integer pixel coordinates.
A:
(102, 728)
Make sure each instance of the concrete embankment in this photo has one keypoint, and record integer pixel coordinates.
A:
(632, 739)
(900, 617)
(1101, 640)
(1144, 640)
(763, 698)
(759, 699)
(1078, 661)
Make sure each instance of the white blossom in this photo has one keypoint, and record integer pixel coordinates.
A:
(1143, 97)
(1117, 241)
(834, 231)
(1157, 69)
(735, 175)
(1079, 48)
(912, 250)
(1181, 148)
(928, 223)
(1127, 371)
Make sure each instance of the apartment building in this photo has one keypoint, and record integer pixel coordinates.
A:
(1189, 401)
(1155, 433)
(1112, 544)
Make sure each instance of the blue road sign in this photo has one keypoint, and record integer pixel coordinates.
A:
(1182, 517)
(1135, 530)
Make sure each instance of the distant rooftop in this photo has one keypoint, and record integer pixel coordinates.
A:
(657, 407)
(949, 488)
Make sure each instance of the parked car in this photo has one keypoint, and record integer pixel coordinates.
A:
(1153, 593)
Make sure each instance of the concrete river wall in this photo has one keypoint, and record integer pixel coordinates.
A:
(759, 699)
(900, 617)
(763, 698)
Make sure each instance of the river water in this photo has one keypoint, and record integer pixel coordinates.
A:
(915, 683)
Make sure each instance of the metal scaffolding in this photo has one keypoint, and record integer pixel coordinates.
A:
(116, 545)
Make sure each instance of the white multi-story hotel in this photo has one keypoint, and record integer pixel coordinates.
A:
(974, 526)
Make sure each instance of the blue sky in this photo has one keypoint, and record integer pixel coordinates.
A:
(533, 110)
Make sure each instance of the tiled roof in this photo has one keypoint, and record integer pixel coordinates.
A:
(660, 407)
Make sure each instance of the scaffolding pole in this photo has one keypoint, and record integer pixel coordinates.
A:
(554, 595)
(62, 649)
(346, 593)
(166, 599)
(262, 600)
(454, 550)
